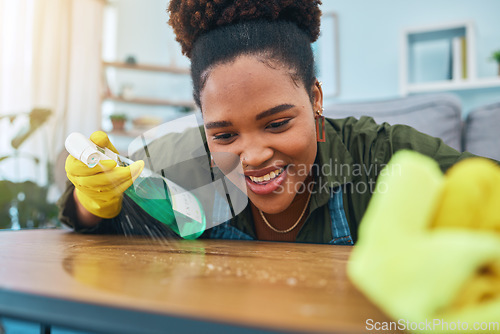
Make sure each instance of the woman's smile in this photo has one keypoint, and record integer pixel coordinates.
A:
(260, 178)
(266, 183)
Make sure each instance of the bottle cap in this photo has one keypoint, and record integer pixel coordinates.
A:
(82, 149)
(90, 157)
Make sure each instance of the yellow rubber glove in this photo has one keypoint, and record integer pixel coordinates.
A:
(471, 200)
(471, 196)
(100, 189)
(416, 265)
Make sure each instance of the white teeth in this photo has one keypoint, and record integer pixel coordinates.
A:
(267, 177)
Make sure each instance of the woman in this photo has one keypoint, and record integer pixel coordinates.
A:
(308, 179)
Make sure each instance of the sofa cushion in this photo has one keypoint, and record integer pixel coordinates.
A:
(481, 133)
(438, 115)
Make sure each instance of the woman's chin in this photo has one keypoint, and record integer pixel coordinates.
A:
(274, 205)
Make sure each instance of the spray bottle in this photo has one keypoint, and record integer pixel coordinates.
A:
(161, 198)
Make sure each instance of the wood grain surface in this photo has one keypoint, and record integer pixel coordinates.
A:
(284, 286)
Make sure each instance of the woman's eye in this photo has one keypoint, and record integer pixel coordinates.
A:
(223, 136)
(277, 125)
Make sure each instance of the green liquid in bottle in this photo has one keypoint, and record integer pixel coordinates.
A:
(168, 203)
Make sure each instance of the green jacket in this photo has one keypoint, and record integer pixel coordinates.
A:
(348, 162)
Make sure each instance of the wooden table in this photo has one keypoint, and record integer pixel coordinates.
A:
(134, 285)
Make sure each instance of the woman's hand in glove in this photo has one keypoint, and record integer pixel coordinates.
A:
(100, 189)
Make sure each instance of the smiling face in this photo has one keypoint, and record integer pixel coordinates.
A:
(261, 114)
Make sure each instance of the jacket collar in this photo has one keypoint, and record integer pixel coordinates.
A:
(334, 167)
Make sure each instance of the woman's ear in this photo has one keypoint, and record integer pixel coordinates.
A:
(317, 96)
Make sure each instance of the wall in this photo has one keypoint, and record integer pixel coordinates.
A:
(142, 32)
(370, 40)
(369, 43)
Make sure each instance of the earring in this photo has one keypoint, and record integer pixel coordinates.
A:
(320, 119)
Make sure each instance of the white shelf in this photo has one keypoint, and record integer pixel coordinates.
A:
(146, 67)
(413, 35)
(109, 95)
(438, 27)
(151, 101)
(453, 85)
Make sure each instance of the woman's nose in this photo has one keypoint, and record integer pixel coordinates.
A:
(256, 154)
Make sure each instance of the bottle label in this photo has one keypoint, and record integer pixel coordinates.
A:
(184, 202)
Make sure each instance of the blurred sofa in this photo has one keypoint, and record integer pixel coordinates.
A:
(439, 115)
(481, 131)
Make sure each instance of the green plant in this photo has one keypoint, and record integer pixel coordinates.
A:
(26, 202)
(37, 117)
(185, 109)
(496, 56)
(118, 117)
